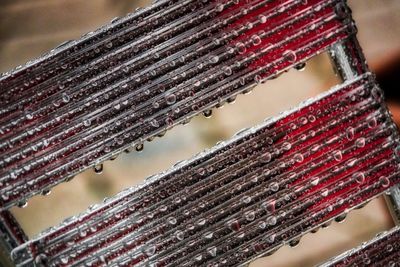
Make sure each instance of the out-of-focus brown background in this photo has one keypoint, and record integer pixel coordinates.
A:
(29, 28)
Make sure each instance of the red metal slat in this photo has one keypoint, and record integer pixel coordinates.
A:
(244, 198)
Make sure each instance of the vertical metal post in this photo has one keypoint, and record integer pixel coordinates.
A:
(393, 202)
(348, 59)
(349, 62)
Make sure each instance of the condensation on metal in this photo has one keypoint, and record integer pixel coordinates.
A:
(383, 250)
(91, 99)
(245, 197)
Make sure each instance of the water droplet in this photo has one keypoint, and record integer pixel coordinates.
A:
(179, 235)
(286, 146)
(246, 199)
(257, 79)
(271, 220)
(65, 98)
(41, 260)
(172, 220)
(98, 168)
(13, 175)
(198, 257)
(64, 259)
(212, 251)
(82, 232)
(359, 177)
(201, 221)
(274, 186)
(208, 235)
(207, 113)
(341, 218)
(5, 196)
(266, 157)
(294, 243)
(350, 133)
(214, 59)
(269, 140)
(219, 7)
(360, 142)
(240, 235)
(262, 225)
(290, 56)
(300, 67)
(87, 122)
(269, 206)
(262, 18)
(197, 83)
(156, 104)
(170, 99)
(324, 192)
(298, 157)
(341, 11)
(338, 155)
(234, 225)
(227, 70)
(372, 122)
(314, 181)
(170, 122)
(109, 45)
(150, 250)
(303, 120)
(241, 48)
(397, 152)
(250, 216)
(366, 260)
(154, 123)
(22, 204)
(384, 181)
(139, 147)
(377, 94)
(271, 239)
(46, 192)
(29, 115)
(256, 40)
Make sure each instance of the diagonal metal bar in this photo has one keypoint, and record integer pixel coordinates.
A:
(244, 198)
(11, 236)
(91, 99)
(383, 250)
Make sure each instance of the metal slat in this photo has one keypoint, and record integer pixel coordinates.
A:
(12, 236)
(244, 198)
(383, 250)
(130, 81)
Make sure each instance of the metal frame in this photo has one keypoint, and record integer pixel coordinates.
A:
(349, 62)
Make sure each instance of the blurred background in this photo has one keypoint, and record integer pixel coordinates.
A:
(29, 28)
